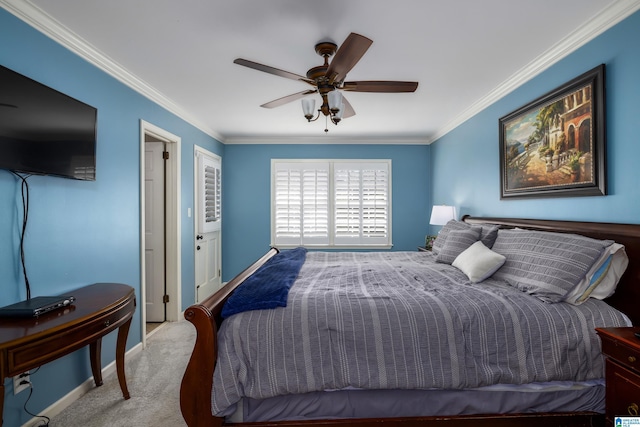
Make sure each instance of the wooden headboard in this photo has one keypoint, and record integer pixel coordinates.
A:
(627, 296)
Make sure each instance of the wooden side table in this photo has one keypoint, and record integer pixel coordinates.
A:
(26, 343)
(622, 371)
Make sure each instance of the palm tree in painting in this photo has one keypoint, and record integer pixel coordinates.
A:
(548, 118)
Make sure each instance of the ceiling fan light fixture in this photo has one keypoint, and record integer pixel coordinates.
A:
(335, 101)
(328, 80)
(335, 118)
(308, 107)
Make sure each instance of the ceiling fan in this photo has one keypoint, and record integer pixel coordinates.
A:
(328, 80)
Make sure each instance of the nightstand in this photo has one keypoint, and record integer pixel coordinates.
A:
(622, 371)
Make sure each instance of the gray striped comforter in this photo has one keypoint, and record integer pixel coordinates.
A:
(398, 320)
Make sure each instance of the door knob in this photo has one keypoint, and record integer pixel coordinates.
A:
(199, 237)
(198, 247)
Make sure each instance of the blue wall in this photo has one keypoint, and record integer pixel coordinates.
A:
(465, 162)
(83, 232)
(247, 187)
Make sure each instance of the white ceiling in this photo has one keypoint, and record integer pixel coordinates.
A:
(463, 53)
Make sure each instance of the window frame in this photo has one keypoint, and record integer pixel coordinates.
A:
(331, 242)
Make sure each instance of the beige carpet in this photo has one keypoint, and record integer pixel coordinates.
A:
(153, 378)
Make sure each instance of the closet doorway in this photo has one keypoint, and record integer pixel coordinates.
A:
(160, 220)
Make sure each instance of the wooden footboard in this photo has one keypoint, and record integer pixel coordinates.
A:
(197, 383)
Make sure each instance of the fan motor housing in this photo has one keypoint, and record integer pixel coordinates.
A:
(317, 73)
(324, 49)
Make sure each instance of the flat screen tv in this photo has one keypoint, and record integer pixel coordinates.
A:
(43, 131)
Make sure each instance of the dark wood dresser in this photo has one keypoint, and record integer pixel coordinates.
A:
(622, 351)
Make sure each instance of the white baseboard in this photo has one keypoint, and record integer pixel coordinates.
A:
(75, 394)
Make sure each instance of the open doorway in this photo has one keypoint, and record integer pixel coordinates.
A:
(160, 227)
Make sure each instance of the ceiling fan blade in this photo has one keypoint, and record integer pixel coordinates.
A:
(272, 70)
(347, 56)
(289, 98)
(348, 109)
(380, 86)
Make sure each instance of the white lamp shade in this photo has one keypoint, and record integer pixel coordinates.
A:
(442, 214)
(335, 100)
(308, 106)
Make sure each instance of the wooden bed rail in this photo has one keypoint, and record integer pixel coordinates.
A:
(197, 382)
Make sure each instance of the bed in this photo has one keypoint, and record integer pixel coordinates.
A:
(368, 389)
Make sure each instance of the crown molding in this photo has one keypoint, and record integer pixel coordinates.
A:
(35, 17)
(327, 140)
(43, 22)
(604, 20)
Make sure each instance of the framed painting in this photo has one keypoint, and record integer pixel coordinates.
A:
(555, 146)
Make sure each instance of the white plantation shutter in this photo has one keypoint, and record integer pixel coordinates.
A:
(329, 203)
(375, 203)
(315, 205)
(301, 203)
(212, 193)
(287, 206)
(210, 187)
(347, 203)
(361, 203)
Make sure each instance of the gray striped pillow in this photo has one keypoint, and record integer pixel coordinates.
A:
(544, 264)
(457, 242)
(487, 236)
(444, 233)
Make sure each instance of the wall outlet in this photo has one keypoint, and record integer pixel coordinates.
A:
(24, 377)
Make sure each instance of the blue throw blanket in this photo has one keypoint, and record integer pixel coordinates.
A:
(269, 286)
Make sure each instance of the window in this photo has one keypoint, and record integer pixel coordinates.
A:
(331, 203)
(210, 188)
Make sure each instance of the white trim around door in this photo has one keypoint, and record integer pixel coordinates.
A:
(172, 220)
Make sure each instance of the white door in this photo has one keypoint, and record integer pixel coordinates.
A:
(154, 231)
(208, 220)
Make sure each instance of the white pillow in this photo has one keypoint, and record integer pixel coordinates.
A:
(478, 262)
